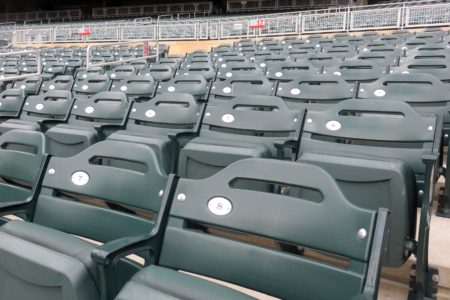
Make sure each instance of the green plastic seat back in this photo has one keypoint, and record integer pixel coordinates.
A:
(158, 71)
(315, 91)
(204, 69)
(381, 58)
(74, 62)
(173, 62)
(104, 107)
(330, 225)
(75, 191)
(252, 119)
(30, 85)
(139, 64)
(437, 67)
(416, 88)
(54, 69)
(241, 85)
(91, 85)
(136, 87)
(231, 69)
(52, 105)
(11, 102)
(82, 73)
(230, 58)
(324, 60)
(290, 70)
(165, 114)
(379, 128)
(22, 155)
(341, 53)
(357, 70)
(196, 85)
(59, 83)
(121, 72)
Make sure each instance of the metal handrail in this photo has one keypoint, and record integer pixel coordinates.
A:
(39, 64)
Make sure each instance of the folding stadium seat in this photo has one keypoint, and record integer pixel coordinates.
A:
(437, 67)
(357, 70)
(30, 85)
(23, 155)
(160, 72)
(28, 67)
(91, 120)
(12, 101)
(137, 87)
(83, 73)
(195, 60)
(219, 57)
(340, 53)
(416, 41)
(50, 71)
(90, 85)
(341, 37)
(383, 59)
(240, 85)
(392, 39)
(223, 61)
(216, 223)
(433, 51)
(172, 62)
(61, 82)
(338, 46)
(91, 195)
(268, 60)
(9, 72)
(230, 69)
(358, 136)
(165, 123)
(391, 51)
(195, 85)
(290, 70)
(357, 40)
(301, 54)
(121, 72)
(294, 44)
(315, 91)
(370, 35)
(221, 49)
(139, 64)
(197, 68)
(245, 126)
(41, 111)
(323, 60)
(49, 61)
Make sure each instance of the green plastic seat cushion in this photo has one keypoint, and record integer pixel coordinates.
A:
(18, 124)
(159, 283)
(35, 259)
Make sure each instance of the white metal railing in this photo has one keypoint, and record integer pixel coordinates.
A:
(147, 49)
(336, 19)
(34, 53)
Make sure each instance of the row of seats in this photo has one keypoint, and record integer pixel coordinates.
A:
(154, 167)
(175, 223)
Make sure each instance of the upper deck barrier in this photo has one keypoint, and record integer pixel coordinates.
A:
(340, 19)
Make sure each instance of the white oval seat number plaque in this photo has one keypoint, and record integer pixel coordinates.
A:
(220, 206)
(379, 93)
(89, 110)
(80, 178)
(333, 125)
(228, 118)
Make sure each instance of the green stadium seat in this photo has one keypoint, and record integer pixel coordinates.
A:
(137, 87)
(41, 111)
(57, 262)
(196, 85)
(91, 85)
(240, 85)
(59, 83)
(165, 123)
(217, 202)
(246, 126)
(31, 85)
(90, 121)
(12, 101)
(314, 91)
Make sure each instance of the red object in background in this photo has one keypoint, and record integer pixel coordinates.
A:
(85, 31)
(146, 49)
(255, 24)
